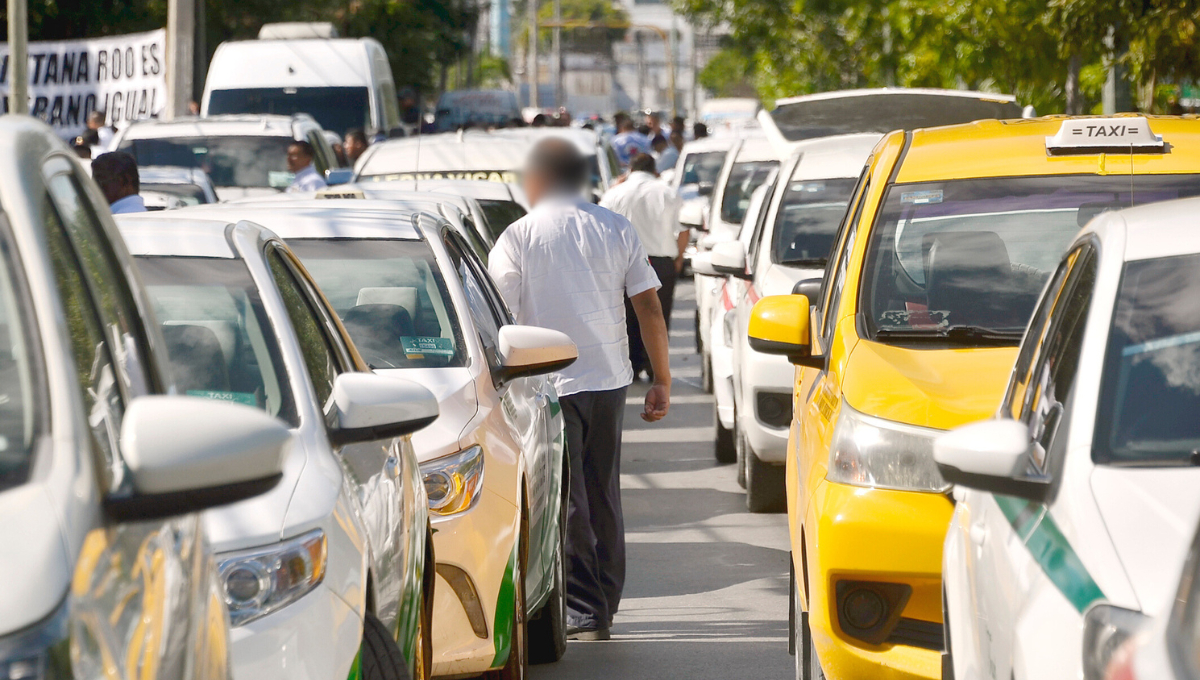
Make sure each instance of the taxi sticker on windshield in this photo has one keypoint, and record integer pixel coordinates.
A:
(246, 398)
(921, 197)
(420, 347)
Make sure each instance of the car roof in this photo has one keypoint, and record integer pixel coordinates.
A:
(1155, 230)
(443, 188)
(756, 147)
(833, 157)
(306, 62)
(233, 125)
(706, 144)
(584, 140)
(175, 233)
(1013, 148)
(470, 151)
(322, 218)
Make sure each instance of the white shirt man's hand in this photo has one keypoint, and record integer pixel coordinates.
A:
(658, 402)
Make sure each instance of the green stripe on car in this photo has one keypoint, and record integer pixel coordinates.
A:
(356, 667)
(505, 611)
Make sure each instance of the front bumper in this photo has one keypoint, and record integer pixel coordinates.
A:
(855, 534)
(764, 373)
(314, 638)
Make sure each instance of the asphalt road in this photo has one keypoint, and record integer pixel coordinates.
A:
(707, 584)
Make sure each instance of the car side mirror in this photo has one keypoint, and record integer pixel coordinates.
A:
(370, 407)
(809, 288)
(528, 350)
(702, 264)
(705, 188)
(691, 215)
(729, 259)
(187, 454)
(779, 325)
(990, 455)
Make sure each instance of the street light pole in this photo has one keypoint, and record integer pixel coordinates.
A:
(18, 57)
(181, 52)
(557, 57)
(532, 69)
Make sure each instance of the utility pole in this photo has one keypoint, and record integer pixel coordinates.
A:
(1116, 95)
(18, 57)
(181, 53)
(532, 69)
(559, 98)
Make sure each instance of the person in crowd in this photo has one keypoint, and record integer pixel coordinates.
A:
(568, 265)
(655, 122)
(193, 107)
(628, 142)
(653, 209)
(644, 130)
(117, 174)
(670, 156)
(354, 145)
(300, 163)
(539, 120)
(658, 144)
(104, 131)
(678, 125)
(699, 130)
(82, 147)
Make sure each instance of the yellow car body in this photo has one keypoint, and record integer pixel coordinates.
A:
(842, 533)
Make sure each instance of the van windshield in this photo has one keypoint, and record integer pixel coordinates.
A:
(229, 161)
(336, 108)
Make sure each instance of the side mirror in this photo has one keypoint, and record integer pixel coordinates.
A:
(187, 454)
(339, 176)
(369, 407)
(705, 188)
(990, 456)
(779, 325)
(809, 288)
(528, 350)
(729, 259)
(702, 264)
(691, 215)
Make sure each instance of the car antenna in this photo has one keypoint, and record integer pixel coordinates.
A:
(1131, 204)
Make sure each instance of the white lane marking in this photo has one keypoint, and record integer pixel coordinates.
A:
(668, 435)
(680, 399)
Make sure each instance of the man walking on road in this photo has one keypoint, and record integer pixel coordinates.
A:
(568, 265)
(653, 208)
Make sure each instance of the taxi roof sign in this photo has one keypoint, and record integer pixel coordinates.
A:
(1104, 135)
(336, 193)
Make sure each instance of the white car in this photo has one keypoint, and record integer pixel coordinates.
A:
(420, 306)
(190, 185)
(330, 574)
(243, 155)
(1076, 504)
(499, 204)
(106, 565)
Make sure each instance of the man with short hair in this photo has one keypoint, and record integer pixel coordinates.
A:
(354, 145)
(300, 163)
(653, 209)
(117, 175)
(568, 265)
(629, 142)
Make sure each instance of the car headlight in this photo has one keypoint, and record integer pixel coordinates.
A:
(880, 453)
(259, 581)
(453, 482)
(1106, 629)
(40, 652)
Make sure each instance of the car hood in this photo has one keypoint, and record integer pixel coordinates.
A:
(1151, 517)
(779, 280)
(936, 388)
(36, 566)
(457, 406)
(225, 194)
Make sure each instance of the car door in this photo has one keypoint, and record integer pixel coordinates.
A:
(143, 600)
(374, 471)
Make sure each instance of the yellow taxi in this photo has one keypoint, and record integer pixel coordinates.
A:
(947, 243)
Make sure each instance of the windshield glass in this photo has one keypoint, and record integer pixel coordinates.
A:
(220, 342)
(808, 219)
(336, 108)
(500, 214)
(744, 178)
(229, 161)
(702, 167)
(976, 253)
(18, 389)
(190, 193)
(391, 298)
(1150, 392)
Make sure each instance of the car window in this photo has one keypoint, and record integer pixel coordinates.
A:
(321, 152)
(229, 161)
(319, 357)
(391, 298)
(835, 275)
(743, 179)
(702, 167)
(1150, 389)
(21, 382)
(760, 228)
(220, 342)
(478, 304)
(1022, 375)
(335, 108)
(500, 214)
(808, 218)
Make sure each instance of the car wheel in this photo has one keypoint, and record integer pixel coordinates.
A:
(726, 446)
(696, 327)
(739, 443)
(548, 627)
(807, 666)
(706, 374)
(381, 658)
(765, 490)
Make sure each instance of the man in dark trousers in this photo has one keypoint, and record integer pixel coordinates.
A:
(568, 265)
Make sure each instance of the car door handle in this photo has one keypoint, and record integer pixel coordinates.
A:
(978, 533)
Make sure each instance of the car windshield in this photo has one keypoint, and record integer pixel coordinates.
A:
(1150, 390)
(807, 222)
(702, 167)
(336, 108)
(973, 255)
(190, 193)
(500, 214)
(744, 178)
(19, 382)
(230, 161)
(391, 298)
(220, 342)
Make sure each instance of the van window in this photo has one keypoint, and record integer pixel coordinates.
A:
(336, 108)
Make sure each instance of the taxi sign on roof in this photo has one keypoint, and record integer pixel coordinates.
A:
(334, 193)
(1104, 135)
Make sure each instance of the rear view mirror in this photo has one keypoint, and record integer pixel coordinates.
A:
(691, 215)
(809, 288)
(702, 264)
(370, 407)
(528, 350)
(990, 455)
(187, 454)
(779, 325)
(705, 188)
(729, 259)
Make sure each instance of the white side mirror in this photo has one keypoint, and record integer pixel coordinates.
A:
(990, 455)
(729, 258)
(187, 454)
(691, 215)
(529, 350)
(370, 407)
(702, 264)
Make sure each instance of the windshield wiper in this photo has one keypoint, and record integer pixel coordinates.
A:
(966, 335)
(807, 261)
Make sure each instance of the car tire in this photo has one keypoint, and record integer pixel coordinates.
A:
(726, 445)
(765, 490)
(548, 627)
(739, 443)
(706, 374)
(696, 328)
(807, 666)
(380, 656)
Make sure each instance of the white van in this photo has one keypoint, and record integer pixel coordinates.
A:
(342, 83)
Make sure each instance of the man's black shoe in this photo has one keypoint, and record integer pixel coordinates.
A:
(587, 634)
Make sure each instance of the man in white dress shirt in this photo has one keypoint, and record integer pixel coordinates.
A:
(117, 174)
(568, 265)
(300, 163)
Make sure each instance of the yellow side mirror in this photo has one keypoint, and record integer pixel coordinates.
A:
(779, 325)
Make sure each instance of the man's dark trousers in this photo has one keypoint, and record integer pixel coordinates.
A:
(665, 268)
(595, 525)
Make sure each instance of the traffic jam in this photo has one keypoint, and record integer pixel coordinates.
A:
(268, 411)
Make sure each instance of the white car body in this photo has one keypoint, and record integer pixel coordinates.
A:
(274, 177)
(192, 185)
(1023, 577)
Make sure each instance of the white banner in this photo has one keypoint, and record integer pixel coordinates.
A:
(122, 75)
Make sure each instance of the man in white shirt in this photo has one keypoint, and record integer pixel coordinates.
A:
(653, 208)
(568, 265)
(117, 174)
(300, 163)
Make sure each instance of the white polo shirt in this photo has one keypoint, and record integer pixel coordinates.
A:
(568, 265)
(653, 208)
